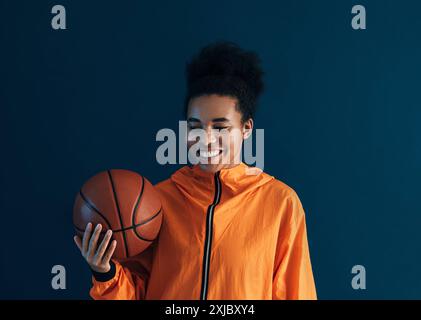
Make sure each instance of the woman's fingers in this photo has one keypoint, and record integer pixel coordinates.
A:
(103, 246)
(109, 253)
(78, 242)
(86, 237)
(97, 255)
(94, 240)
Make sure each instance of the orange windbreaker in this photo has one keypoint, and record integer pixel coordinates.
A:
(228, 235)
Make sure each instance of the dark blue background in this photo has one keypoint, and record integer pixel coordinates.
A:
(341, 115)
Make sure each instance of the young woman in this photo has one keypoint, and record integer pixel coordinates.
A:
(228, 232)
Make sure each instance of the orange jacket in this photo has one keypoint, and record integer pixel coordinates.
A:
(228, 235)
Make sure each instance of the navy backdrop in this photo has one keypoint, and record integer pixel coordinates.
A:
(341, 114)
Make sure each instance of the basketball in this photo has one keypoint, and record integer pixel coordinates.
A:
(124, 202)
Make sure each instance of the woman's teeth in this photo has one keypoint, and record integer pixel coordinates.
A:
(209, 154)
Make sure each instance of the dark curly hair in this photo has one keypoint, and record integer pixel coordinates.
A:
(225, 69)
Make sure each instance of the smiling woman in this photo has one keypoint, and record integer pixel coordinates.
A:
(205, 145)
(223, 86)
(224, 131)
(226, 233)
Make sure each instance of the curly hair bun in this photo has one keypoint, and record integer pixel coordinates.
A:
(224, 68)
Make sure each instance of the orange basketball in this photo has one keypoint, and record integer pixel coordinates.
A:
(124, 202)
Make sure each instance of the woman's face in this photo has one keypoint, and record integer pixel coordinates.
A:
(222, 131)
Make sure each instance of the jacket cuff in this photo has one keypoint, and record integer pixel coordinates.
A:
(105, 276)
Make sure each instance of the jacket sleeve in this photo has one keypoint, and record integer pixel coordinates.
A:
(293, 275)
(127, 279)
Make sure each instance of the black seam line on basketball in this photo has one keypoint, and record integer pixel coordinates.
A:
(119, 213)
(92, 206)
(139, 197)
(141, 238)
(151, 218)
(208, 237)
(83, 230)
(127, 228)
(104, 232)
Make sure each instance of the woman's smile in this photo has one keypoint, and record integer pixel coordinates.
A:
(209, 154)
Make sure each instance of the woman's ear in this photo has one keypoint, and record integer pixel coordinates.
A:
(247, 128)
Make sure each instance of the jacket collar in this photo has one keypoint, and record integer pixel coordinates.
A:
(237, 179)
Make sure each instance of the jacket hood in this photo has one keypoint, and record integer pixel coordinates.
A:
(193, 182)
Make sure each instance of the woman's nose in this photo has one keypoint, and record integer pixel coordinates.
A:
(210, 136)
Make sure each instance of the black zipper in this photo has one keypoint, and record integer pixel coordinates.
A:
(208, 238)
